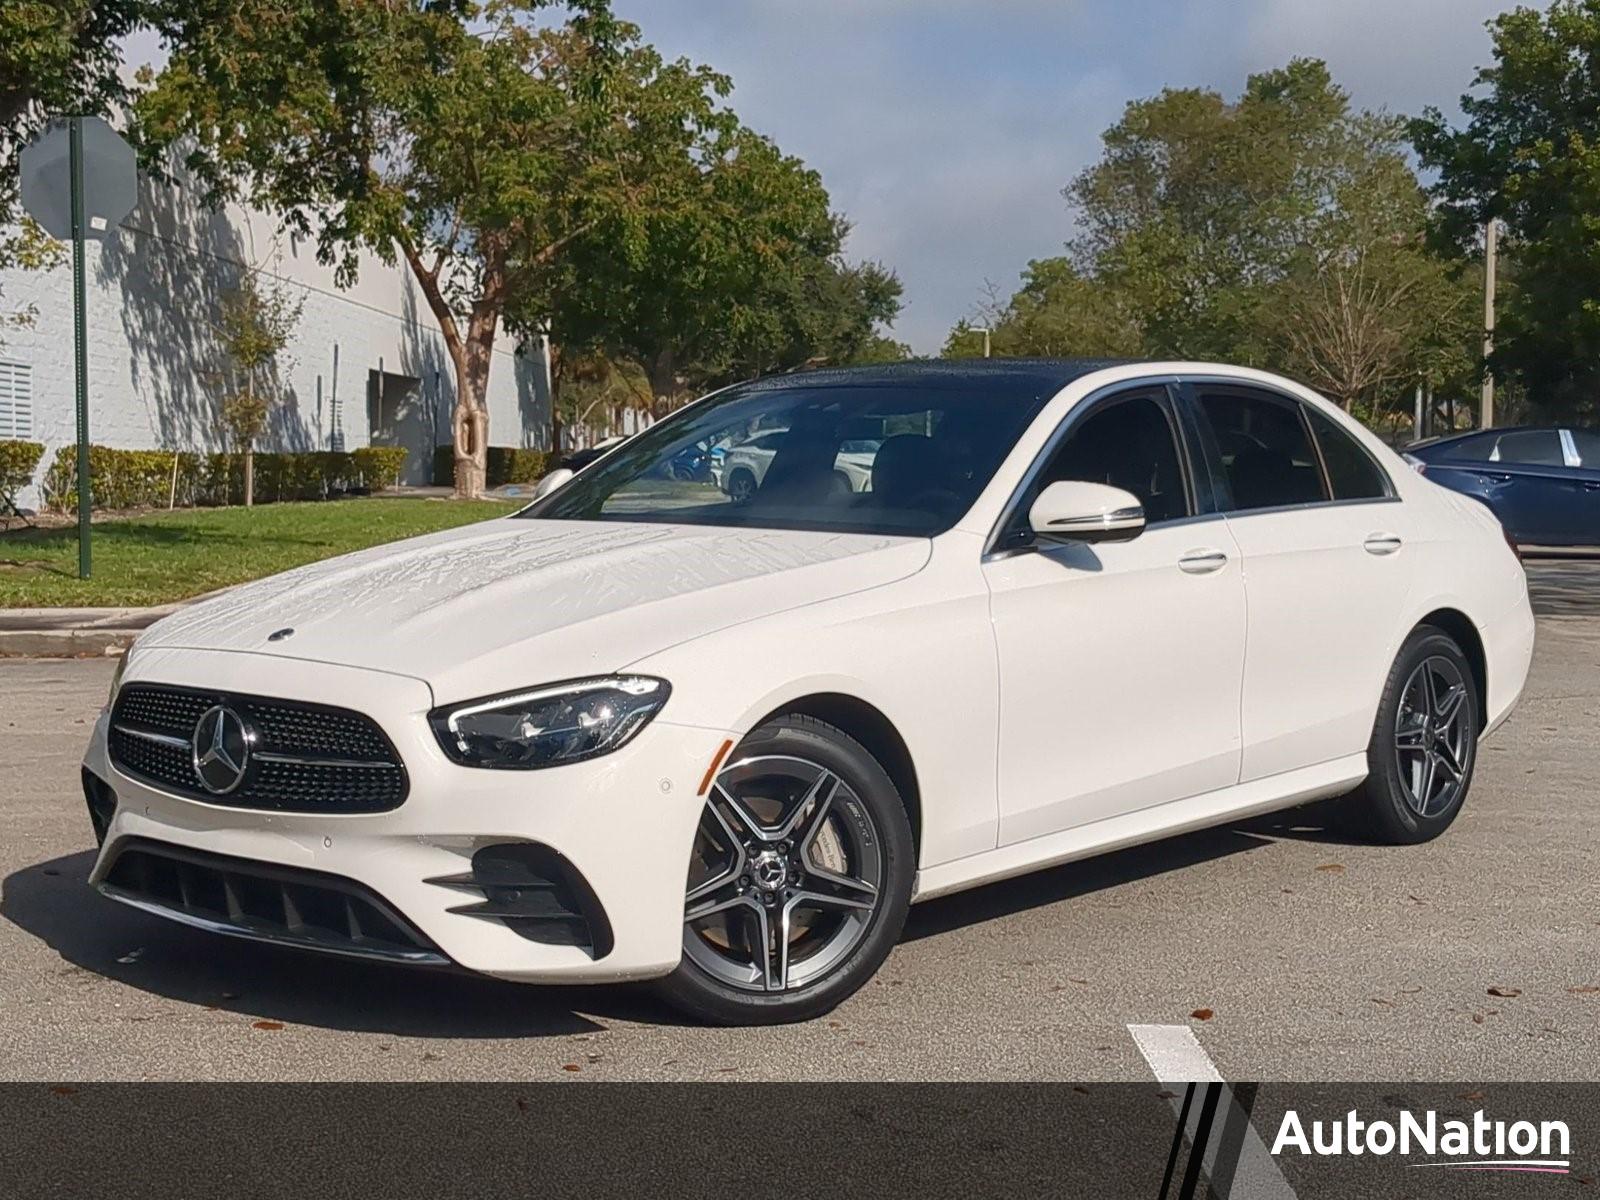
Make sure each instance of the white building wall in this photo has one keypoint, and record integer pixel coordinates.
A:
(155, 369)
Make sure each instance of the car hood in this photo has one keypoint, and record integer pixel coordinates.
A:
(511, 602)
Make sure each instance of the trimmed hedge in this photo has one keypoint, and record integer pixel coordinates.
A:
(144, 478)
(17, 462)
(507, 464)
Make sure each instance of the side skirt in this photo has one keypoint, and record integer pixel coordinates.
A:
(1147, 825)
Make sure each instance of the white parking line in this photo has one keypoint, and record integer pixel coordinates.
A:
(1175, 1055)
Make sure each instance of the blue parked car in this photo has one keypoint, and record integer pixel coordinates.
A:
(1543, 483)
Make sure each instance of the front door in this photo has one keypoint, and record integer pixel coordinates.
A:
(1120, 663)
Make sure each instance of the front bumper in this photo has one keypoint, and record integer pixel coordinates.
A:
(623, 824)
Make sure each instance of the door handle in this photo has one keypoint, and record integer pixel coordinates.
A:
(1202, 562)
(1493, 477)
(1381, 543)
(1592, 487)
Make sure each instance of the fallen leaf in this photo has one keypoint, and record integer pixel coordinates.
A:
(1471, 1097)
(1163, 1094)
(571, 1067)
(1078, 1087)
(1332, 868)
(1477, 1018)
(1506, 992)
(269, 1026)
(522, 1105)
(1202, 1014)
(1382, 1001)
(63, 1090)
(1583, 990)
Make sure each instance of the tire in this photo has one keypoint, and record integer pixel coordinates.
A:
(829, 863)
(1401, 802)
(741, 486)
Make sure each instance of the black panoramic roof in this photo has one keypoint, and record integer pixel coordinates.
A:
(1015, 376)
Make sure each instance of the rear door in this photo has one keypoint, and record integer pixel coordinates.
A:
(1522, 475)
(1322, 539)
(1582, 447)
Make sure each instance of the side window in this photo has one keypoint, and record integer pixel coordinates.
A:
(1531, 447)
(1129, 443)
(1352, 473)
(1587, 443)
(1476, 448)
(1266, 452)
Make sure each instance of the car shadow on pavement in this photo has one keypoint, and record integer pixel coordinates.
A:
(51, 901)
(1080, 878)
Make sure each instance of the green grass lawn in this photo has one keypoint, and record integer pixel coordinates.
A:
(168, 556)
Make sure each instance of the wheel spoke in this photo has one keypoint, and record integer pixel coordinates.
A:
(809, 812)
(736, 865)
(1411, 739)
(827, 889)
(1449, 707)
(1445, 754)
(774, 954)
(738, 820)
(1425, 787)
(729, 898)
(1430, 703)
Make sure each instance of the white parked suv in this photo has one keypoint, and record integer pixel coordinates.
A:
(744, 467)
(725, 744)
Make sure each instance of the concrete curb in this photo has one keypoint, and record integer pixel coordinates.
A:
(76, 632)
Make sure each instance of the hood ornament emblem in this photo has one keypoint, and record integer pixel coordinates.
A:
(221, 749)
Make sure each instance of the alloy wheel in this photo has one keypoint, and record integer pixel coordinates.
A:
(1433, 736)
(787, 873)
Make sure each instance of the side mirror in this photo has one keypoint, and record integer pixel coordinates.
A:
(1076, 511)
(551, 482)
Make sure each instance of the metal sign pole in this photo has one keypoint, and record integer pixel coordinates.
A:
(80, 336)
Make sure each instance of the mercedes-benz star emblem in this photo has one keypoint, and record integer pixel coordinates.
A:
(221, 750)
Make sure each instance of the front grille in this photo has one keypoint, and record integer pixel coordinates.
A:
(301, 757)
(264, 901)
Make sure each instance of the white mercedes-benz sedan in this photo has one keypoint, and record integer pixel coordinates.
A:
(640, 731)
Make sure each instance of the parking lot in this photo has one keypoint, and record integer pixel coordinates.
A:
(1290, 953)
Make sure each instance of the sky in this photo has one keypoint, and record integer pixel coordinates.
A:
(946, 129)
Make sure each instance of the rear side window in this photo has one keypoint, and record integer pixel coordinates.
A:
(1266, 451)
(1587, 443)
(1531, 447)
(1352, 473)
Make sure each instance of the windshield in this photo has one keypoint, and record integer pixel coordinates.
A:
(883, 458)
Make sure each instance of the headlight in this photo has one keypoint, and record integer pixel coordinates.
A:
(549, 726)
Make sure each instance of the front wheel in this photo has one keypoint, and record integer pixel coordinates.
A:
(1424, 743)
(799, 881)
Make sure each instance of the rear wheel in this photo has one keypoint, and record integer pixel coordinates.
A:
(741, 486)
(799, 881)
(1424, 744)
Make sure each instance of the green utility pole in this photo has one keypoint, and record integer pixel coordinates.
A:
(80, 348)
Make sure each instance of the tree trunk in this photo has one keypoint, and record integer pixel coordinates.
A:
(470, 355)
(555, 403)
(663, 374)
(249, 474)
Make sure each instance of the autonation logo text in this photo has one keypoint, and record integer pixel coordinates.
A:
(1480, 1144)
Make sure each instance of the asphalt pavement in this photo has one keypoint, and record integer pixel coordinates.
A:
(1289, 952)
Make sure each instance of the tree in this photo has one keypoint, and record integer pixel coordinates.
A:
(1282, 230)
(737, 272)
(254, 324)
(1058, 312)
(1529, 155)
(56, 56)
(456, 136)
